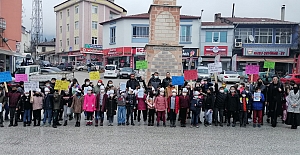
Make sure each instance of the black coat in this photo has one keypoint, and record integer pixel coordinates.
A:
(209, 101)
(24, 103)
(274, 97)
(232, 102)
(165, 83)
(111, 106)
(132, 84)
(221, 98)
(154, 82)
(131, 100)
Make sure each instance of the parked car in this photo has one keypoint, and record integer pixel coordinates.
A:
(111, 71)
(290, 77)
(126, 72)
(84, 67)
(229, 76)
(203, 74)
(48, 71)
(53, 68)
(44, 63)
(65, 66)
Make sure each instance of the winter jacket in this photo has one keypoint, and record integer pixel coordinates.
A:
(99, 103)
(248, 104)
(37, 102)
(141, 102)
(89, 103)
(96, 89)
(165, 83)
(232, 102)
(56, 101)
(184, 101)
(24, 103)
(197, 103)
(160, 103)
(209, 102)
(77, 104)
(3, 99)
(111, 106)
(220, 98)
(150, 102)
(67, 100)
(274, 96)
(48, 102)
(13, 98)
(259, 105)
(132, 84)
(293, 99)
(176, 104)
(154, 82)
(121, 100)
(131, 100)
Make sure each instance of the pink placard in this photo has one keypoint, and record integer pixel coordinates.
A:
(21, 77)
(252, 69)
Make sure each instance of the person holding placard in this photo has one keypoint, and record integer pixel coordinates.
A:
(3, 102)
(13, 97)
(141, 106)
(257, 107)
(121, 100)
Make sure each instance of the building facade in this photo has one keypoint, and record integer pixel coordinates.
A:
(46, 51)
(25, 41)
(124, 39)
(78, 33)
(10, 33)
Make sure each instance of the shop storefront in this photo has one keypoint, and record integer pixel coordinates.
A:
(211, 51)
(121, 56)
(190, 54)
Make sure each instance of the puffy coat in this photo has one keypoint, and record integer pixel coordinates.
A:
(160, 103)
(24, 103)
(220, 98)
(111, 106)
(89, 103)
(184, 101)
(48, 102)
(13, 98)
(209, 102)
(293, 99)
(248, 104)
(258, 105)
(196, 104)
(141, 103)
(37, 102)
(131, 100)
(176, 104)
(232, 102)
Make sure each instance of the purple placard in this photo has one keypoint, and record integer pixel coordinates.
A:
(252, 69)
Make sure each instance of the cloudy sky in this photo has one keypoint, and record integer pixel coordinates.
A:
(244, 8)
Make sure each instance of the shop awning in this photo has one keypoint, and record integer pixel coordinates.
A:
(260, 59)
(10, 53)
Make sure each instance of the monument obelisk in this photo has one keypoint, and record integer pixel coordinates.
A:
(163, 52)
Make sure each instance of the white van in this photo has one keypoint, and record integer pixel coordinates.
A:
(29, 70)
(111, 71)
(202, 72)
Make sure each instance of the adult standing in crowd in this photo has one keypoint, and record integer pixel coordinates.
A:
(155, 81)
(166, 81)
(293, 116)
(132, 83)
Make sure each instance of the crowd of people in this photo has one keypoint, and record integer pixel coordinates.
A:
(158, 98)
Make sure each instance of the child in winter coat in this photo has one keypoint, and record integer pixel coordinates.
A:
(111, 107)
(130, 106)
(196, 104)
(141, 105)
(66, 102)
(245, 106)
(161, 105)
(232, 105)
(184, 103)
(121, 101)
(150, 103)
(56, 108)
(100, 100)
(77, 106)
(208, 106)
(173, 107)
(3, 101)
(37, 106)
(25, 106)
(285, 105)
(89, 105)
(219, 104)
(48, 107)
(257, 107)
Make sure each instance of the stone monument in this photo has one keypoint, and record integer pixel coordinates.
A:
(163, 52)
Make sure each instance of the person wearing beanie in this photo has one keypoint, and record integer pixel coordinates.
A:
(100, 101)
(173, 107)
(209, 106)
(184, 103)
(96, 88)
(130, 106)
(110, 107)
(77, 104)
(48, 107)
(195, 107)
(13, 98)
(161, 105)
(3, 101)
(89, 105)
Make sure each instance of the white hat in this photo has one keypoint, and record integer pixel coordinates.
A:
(196, 93)
(184, 90)
(89, 88)
(174, 91)
(46, 89)
(161, 89)
(102, 87)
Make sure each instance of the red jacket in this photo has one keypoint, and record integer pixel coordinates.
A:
(105, 96)
(184, 101)
(176, 104)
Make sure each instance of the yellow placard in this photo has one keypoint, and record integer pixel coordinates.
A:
(61, 85)
(94, 76)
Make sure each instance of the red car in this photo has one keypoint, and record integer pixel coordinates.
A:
(290, 77)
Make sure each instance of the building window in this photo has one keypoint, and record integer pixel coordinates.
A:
(68, 27)
(264, 35)
(112, 35)
(112, 15)
(76, 25)
(43, 49)
(216, 37)
(283, 36)
(68, 42)
(140, 32)
(60, 29)
(243, 34)
(76, 9)
(68, 12)
(94, 9)
(60, 14)
(94, 40)
(76, 39)
(60, 43)
(185, 34)
(94, 25)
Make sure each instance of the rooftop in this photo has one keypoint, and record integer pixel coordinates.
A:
(147, 16)
(48, 43)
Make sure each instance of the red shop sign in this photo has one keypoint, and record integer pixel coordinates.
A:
(215, 50)
(127, 51)
(90, 50)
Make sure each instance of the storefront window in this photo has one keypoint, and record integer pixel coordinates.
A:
(121, 62)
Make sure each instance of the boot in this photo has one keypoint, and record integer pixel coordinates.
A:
(171, 123)
(11, 123)
(66, 123)
(96, 123)
(54, 125)
(127, 122)
(174, 123)
(24, 124)
(34, 122)
(29, 123)
(101, 122)
(164, 124)
(16, 124)
(76, 124)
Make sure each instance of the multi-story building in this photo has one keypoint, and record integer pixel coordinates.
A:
(124, 39)
(46, 51)
(25, 41)
(78, 33)
(10, 32)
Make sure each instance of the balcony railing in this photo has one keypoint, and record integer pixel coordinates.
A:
(185, 39)
(2, 24)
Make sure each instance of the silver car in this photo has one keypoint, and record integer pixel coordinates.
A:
(126, 72)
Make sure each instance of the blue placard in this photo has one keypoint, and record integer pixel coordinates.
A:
(5, 77)
(177, 80)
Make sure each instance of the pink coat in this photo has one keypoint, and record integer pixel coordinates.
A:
(160, 103)
(89, 103)
(142, 103)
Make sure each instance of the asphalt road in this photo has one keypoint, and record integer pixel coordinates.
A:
(141, 139)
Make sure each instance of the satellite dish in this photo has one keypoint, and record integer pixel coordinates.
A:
(251, 38)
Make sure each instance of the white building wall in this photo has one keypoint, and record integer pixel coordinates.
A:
(25, 41)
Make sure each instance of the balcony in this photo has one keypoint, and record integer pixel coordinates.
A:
(2, 24)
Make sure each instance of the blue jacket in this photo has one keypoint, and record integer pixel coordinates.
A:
(258, 105)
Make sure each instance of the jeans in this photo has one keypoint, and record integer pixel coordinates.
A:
(121, 114)
(243, 117)
(55, 116)
(129, 114)
(144, 115)
(27, 116)
(221, 115)
(89, 69)
(208, 117)
(47, 114)
(66, 115)
(99, 115)
(195, 116)
(257, 114)
(161, 114)
(151, 115)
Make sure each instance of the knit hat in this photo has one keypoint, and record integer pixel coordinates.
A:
(184, 90)
(102, 87)
(89, 88)
(100, 81)
(196, 93)
(174, 91)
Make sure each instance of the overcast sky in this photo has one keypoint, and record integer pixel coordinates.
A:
(243, 8)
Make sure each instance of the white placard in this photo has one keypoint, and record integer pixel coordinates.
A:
(31, 86)
(233, 63)
(256, 97)
(123, 86)
(0, 107)
(214, 67)
(140, 93)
